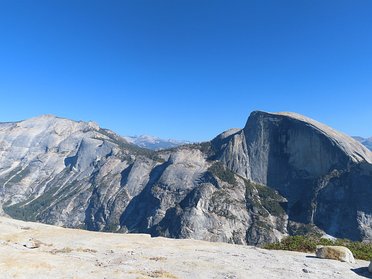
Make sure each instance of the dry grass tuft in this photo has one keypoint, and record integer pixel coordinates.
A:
(157, 259)
(155, 274)
(61, 251)
(86, 250)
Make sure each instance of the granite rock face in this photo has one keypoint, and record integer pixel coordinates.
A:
(325, 175)
(280, 174)
(58, 253)
(76, 174)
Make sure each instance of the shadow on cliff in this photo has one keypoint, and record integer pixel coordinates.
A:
(329, 196)
(136, 214)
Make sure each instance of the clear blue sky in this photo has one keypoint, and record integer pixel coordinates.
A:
(186, 69)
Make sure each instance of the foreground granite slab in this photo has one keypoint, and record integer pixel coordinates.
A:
(32, 250)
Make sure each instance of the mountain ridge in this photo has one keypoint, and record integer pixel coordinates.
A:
(281, 174)
(154, 143)
(367, 142)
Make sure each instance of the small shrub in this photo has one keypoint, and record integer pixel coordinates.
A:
(156, 259)
(219, 170)
(61, 251)
(161, 274)
(261, 196)
(86, 250)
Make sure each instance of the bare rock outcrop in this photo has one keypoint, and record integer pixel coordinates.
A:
(76, 174)
(325, 175)
(72, 253)
(339, 253)
(280, 174)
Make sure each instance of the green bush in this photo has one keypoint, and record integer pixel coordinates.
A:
(263, 196)
(360, 250)
(223, 173)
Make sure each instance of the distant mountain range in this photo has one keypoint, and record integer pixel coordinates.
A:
(154, 143)
(365, 141)
(282, 174)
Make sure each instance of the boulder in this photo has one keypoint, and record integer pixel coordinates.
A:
(370, 267)
(339, 253)
(31, 244)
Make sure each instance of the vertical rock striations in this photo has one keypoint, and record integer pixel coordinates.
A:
(282, 174)
(325, 175)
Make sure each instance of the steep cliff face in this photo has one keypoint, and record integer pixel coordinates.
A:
(282, 173)
(49, 164)
(324, 174)
(76, 174)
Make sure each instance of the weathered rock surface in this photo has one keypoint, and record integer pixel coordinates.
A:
(339, 253)
(71, 253)
(282, 174)
(76, 174)
(325, 175)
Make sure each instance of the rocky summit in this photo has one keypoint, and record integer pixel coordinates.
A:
(282, 174)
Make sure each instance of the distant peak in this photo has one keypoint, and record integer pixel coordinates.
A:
(154, 143)
(49, 120)
(42, 117)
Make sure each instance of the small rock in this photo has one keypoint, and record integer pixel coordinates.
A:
(370, 267)
(339, 253)
(31, 244)
(306, 270)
